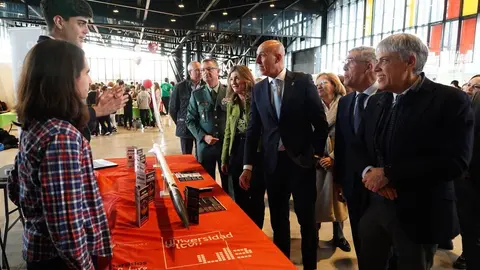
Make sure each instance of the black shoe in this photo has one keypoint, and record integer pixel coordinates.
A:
(448, 245)
(342, 244)
(460, 263)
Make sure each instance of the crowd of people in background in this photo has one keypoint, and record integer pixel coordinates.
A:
(138, 97)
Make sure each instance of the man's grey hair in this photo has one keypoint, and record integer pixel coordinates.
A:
(406, 45)
(190, 65)
(210, 60)
(366, 53)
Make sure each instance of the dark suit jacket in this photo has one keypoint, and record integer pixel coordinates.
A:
(92, 122)
(302, 125)
(474, 170)
(345, 140)
(431, 147)
(178, 107)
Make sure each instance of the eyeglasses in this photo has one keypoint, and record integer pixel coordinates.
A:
(208, 69)
(322, 83)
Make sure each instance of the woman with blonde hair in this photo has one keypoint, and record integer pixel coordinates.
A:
(330, 205)
(239, 88)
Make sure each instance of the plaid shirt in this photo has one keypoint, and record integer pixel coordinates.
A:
(54, 184)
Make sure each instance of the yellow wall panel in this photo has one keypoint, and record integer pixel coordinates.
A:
(469, 7)
(369, 18)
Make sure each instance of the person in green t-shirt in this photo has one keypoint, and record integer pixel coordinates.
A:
(166, 90)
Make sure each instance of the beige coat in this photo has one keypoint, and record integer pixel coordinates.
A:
(328, 207)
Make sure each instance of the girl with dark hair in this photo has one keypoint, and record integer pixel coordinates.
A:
(53, 181)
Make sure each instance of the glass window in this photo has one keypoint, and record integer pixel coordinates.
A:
(453, 9)
(350, 45)
(109, 69)
(450, 36)
(437, 10)
(399, 14)
(338, 23)
(102, 70)
(422, 33)
(368, 18)
(330, 29)
(378, 17)
(435, 38)
(94, 70)
(360, 17)
(376, 40)
(344, 22)
(410, 19)
(125, 70)
(329, 57)
(388, 17)
(467, 37)
(358, 42)
(469, 7)
(424, 8)
(352, 20)
(343, 51)
(336, 55)
(324, 58)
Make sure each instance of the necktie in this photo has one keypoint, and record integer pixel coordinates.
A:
(214, 95)
(277, 95)
(359, 108)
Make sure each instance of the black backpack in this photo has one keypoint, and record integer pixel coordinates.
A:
(9, 141)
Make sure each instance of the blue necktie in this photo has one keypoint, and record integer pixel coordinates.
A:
(277, 96)
(359, 108)
(277, 101)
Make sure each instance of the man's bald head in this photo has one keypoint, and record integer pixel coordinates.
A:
(270, 58)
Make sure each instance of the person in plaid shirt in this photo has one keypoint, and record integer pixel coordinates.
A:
(53, 180)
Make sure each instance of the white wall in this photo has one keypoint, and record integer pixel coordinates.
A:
(6, 84)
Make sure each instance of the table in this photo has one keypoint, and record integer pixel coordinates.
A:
(7, 118)
(223, 240)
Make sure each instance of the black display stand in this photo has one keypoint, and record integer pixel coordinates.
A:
(192, 198)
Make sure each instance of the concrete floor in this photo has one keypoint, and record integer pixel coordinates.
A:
(114, 146)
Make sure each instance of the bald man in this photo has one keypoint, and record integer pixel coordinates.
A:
(284, 107)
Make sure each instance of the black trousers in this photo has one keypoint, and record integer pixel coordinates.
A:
(145, 117)
(128, 117)
(166, 101)
(187, 145)
(56, 263)
(252, 201)
(211, 156)
(355, 204)
(379, 231)
(105, 123)
(468, 208)
(291, 179)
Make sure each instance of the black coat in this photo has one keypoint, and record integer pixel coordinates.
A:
(178, 107)
(430, 148)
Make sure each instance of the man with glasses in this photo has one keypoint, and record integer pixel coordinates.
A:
(206, 117)
(359, 76)
(179, 103)
(417, 140)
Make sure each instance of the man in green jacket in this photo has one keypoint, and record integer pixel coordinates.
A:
(206, 115)
(166, 90)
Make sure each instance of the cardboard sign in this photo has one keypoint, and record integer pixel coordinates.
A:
(141, 201)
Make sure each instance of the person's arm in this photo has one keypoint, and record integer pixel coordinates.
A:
(13, 185)
(316, 116)
(60, 176)
(193, 119)
(449, 160)
(226, 137)
(174, 103)
(253, 133)
(474, 169)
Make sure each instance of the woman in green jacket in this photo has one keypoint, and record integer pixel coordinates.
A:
(240, 84)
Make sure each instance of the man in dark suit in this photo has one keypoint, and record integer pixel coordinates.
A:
(68, 20)
(359, 76)
(284, 107)
(206, 118)
(179, 103)
(417, 138)
(468, 193)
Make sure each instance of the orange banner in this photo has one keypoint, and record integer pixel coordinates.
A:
(222, 240)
